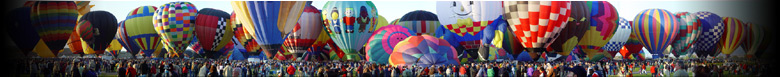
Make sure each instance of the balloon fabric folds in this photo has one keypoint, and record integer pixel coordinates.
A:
(656, 29)
(753, 39)
(54, 21)
(139, 33)
(537, 23)
(423, 50)
(381, 43)
(493, 41)
(214, 30)
(97, 29)
(712, 29)
(350, 24)
(603, 24)
(462, 22)
(175, 23)
(266, 21)
(689, 31)
(305, 32)
(21, 32)
(419, 21)
(733, 35)
(619, 38)
(121, 37)
(570, 35)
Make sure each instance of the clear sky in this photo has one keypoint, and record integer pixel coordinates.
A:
(743, 10)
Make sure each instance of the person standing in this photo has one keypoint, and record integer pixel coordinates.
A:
(131, 72)
(121, 71)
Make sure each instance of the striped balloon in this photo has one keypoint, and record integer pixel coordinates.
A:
(712, 29)
(419, 21)
(423, 50)
(214, 30)
(733, 35)
(689, 31)
(578, 22)
(54, 21)
(175, 22)
(138, 32)
(619, 38)
(655, 28)
(305, 32)
(537, 23)
(753, 38)
(603, 24)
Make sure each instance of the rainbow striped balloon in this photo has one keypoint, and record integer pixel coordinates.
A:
(655, 28)
(689, 31)
(54, 21)
(175, 22)
(732, 35)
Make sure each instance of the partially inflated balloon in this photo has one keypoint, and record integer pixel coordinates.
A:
(619, 38)
(733, 34)
(463, 21)
(656, 29)
(381, 43)
(536, 23)
(114, 47)
(689, 31)
(493, 41)
(306, 31)
(350, 24)
(139, 32)
(753, 39)
(213, 29)
(712, 29)
(97, 29)
(54, 21)
(578, 22)
(266, 21)
(22, 31)
(603, 24)
(74, 43)
(419, 21)
(423, 50)
(175, 23)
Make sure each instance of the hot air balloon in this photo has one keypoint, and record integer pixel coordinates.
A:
(114, 47)
(21, 31)
(139, 32)
(537, 22)
(350, 24)
(493, 37)
(419, 21)
(570, 35)
(656, 28)
(733, 35)
(74, 43)
(423, 50)
(603, 24)
(753, 39)
(381, 43)
(619, 38)
(54, 22)
(266, 21)
(381, 22)
(97, 29)
(394, 22)
(306, 31)
(689, 31)
(213, 29)
(712, 29)
(766, 32)
(633, 45)
(465, 20)
(175, 23)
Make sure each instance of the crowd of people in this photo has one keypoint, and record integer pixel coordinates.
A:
(92, 67)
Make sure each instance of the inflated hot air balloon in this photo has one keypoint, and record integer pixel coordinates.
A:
(753, 39)
(74, 43)
(603, 24)
(419, 21)
(266, 21)
(689, 31)
(306, 31)
(733, 35)
(493, 41)
(140, 34)
(350, 24)
(423, 50)
(656, 29)
(213, 29)
(465, 20)
(578, 23)
(381, 43)
(21, 31)
(114, 47)
(536, 23)
(381, 22)
(97, 29)
(619, 38)
(633, 45)
(175, 23)
(712, 29)
(54, 21)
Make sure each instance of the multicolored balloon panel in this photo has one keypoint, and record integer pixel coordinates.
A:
(619, 38)
(423, 50)
(603, 24)
(305, 32)
(689, 32)
(537, 22)
(266, 21)
(139, 32)
(419, 21)
(712, 29)
(656, 29)
(54, 21)
(381, 43)
(733, 35)
(350, 24)
(175, 22)
(578, 23)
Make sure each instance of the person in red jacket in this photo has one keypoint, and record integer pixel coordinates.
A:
(290, 70)
(130, 70)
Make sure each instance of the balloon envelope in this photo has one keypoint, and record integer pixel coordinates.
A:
(537, 22)
(350, 24)
(139, 33)
(214, 30)
(656, 29)
(712, 29)
(576, 26)
(419, 21)
(22, 31)
(423, 50)
(175, 23)
(54, 21)
(733, 35)
(381, 43)
(603, 24)
(97, 29)
(266, 21)
(689, 31)
(305, 31)
(619, 38)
